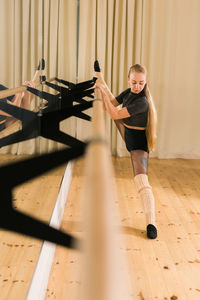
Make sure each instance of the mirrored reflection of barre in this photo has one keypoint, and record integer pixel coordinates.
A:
(20, 89)
(18, 97)
(14, 120)
(13, 127)
(45, 122)
(66, 95)
(38, 79)
(103, 266)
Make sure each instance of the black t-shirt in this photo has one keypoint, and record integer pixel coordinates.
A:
(137, 106)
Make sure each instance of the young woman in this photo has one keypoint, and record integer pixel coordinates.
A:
(136, 121)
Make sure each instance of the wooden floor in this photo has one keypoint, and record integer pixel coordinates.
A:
(19, 254)
(167, 268)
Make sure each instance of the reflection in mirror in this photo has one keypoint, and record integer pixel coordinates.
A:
(19, 97)
(22, 37)
(9, 124)
(37, 29)
(24, 44)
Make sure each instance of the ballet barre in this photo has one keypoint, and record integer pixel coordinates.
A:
(20, 89)
(10, 92)
(104, 278)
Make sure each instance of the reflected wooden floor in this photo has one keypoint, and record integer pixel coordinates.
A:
(167, 268)
(19, 254)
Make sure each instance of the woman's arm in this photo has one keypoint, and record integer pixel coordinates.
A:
(113, 100)
(114, 113)
(100, 81)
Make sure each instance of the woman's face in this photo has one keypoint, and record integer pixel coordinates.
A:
(137, 82)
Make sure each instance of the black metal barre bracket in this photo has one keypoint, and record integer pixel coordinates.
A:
(13, 220)
(45, 125)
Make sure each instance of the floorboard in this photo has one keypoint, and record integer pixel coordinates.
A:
(19, 254)
(167, 268)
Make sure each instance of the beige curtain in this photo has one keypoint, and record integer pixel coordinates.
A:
(109, 32)
(161, 34)
(171, 44)
(31, 30)
(59, 50)
(19, 27)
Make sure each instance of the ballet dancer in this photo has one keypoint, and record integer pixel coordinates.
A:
(136, 122)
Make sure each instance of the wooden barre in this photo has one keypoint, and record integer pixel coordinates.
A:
(15, 126)
(11, 129)
(17, 123)
(99, 210)
(10, 92)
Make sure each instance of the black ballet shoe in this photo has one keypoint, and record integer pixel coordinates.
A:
(96, 66)
(151, 231)
(41, 65)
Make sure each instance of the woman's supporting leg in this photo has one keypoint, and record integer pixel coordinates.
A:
(139, 160)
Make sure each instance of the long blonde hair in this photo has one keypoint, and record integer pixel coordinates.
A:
(152, 115)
